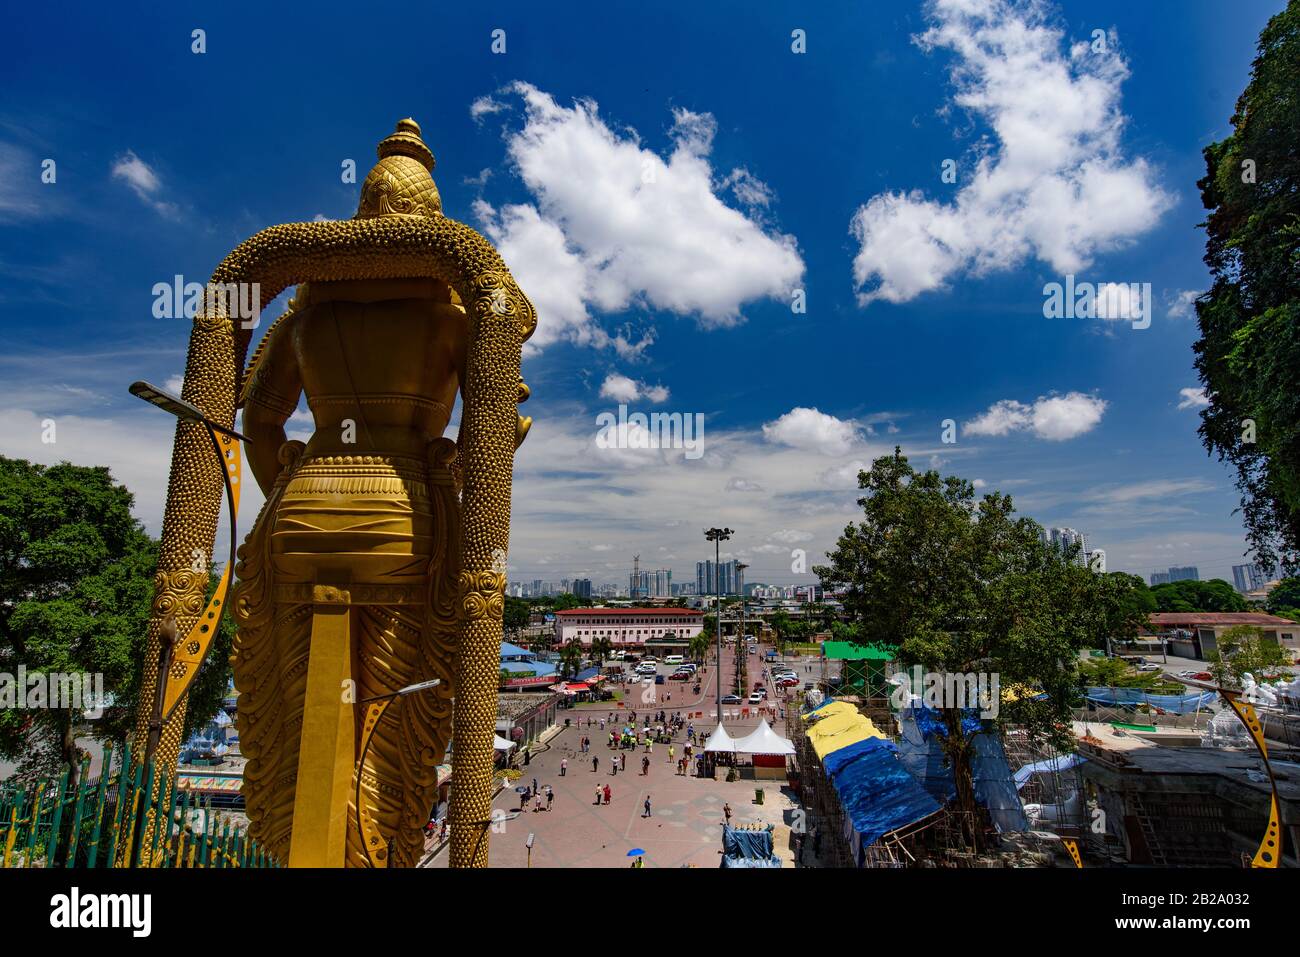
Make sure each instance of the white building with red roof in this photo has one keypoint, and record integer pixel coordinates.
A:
(627, 627)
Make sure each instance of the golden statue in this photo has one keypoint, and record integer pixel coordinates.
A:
(378, 559)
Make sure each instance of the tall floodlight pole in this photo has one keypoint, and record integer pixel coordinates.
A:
(717, 536)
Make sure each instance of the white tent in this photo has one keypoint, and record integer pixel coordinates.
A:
(719, 740)
(501, 744)
(763, 740)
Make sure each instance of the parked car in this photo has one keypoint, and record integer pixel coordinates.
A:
(789, 682)
(659, 679)
(756, 698)
(679, 676)
(731, 699)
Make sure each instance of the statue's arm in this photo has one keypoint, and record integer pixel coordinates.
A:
(271, 395)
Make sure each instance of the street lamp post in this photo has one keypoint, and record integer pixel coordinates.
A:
(169, 636)
(717, 536)
(740, 636)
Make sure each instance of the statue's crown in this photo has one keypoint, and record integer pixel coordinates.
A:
(400, 184)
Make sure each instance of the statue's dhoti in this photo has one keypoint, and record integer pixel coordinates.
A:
(380, 535)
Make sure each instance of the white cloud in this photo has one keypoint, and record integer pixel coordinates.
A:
(1052, 184)
(813, 431)
(613, 226)
(485, 106)
(1182, 303)
(622, 389)
(144, 182)
(1192, 399)
(737, 484)
(1052, 417)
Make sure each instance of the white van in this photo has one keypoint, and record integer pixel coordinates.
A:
(674, 660)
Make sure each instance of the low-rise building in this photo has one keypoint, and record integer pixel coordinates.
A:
(1200, 631)
(627, 627)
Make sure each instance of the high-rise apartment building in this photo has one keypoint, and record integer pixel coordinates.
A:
(726, 578)
(582, 588)
(1179, 573)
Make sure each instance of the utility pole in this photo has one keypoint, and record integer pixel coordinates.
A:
(717, 536)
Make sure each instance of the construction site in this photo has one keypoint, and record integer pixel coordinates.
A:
(1141, 781)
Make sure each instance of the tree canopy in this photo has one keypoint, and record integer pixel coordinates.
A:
(1213, 595)
(962, 586)
(1248, 355)
(76, 584)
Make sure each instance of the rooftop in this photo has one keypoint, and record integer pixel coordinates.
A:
(1159, 618)
(626, 612)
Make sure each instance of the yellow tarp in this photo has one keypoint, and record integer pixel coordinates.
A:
(840, 728)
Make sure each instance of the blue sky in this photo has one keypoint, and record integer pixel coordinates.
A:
(673, 295)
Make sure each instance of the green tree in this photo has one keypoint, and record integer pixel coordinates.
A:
(1244, 650)
(565, 602)
(1198, 596)
(1285, 595)
(571, 658)
(1248, 355)
(961, 586)
(601, 648)
(699, 645)
(515, 617)
(76, 585)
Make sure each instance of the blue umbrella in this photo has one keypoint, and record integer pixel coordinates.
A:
(635, 852)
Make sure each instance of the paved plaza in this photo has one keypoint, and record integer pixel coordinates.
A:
(684, 826)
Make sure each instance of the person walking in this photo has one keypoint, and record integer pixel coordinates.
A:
(599, 792)
(528, 756)
(726, 812)
(622, 763)
(671, 755)
(608, 793)
(550, 797)
(645, 766)
(534, 785)
(647, 806)
(537, 802)
(564, 766)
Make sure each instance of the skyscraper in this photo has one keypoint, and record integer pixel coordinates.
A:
(1064, 538)
(730, 580)
(582, 588)
(1183, 573)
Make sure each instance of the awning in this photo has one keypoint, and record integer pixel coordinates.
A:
(763, 740)
(501, 744)
(720, 741)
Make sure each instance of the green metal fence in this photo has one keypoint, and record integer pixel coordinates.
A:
(101, 823)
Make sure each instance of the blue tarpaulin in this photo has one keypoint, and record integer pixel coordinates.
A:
(921, 751)
(747, 848)
(1132, 697)
(877, 793)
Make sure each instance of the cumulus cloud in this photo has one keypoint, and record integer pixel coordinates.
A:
(620, 388)
(1052, 183)
(1053, 417)
(143, 181)
(1181, 303)
(1192, 399)
(614, 226)
(813, 431)
(737, 484)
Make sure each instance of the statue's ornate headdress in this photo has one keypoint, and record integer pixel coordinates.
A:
(400, 184)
